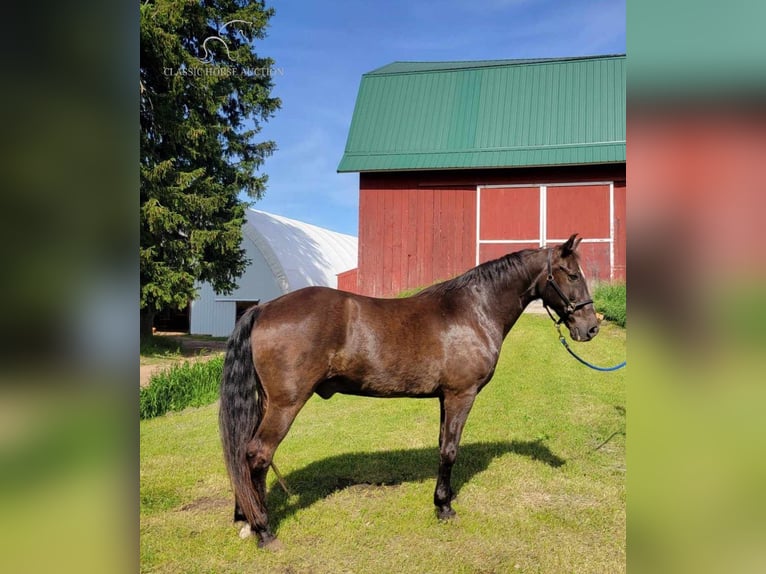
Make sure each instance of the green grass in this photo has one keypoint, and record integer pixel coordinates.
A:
(153, 347)
(611, 300)
(182, 385)
(540, 477)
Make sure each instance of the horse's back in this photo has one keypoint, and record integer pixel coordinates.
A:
(326, 318)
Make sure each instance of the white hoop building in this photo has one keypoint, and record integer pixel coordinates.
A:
(284, 255)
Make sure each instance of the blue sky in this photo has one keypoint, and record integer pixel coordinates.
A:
(323, 48)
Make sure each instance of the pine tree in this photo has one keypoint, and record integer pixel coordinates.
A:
(204, 95)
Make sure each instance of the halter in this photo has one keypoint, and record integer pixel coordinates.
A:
(569, 309)
(570, 306)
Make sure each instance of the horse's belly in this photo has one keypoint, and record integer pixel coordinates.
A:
(376, 388)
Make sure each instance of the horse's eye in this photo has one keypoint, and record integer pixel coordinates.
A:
(573, 276)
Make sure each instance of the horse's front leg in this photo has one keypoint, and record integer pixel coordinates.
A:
(454, 412)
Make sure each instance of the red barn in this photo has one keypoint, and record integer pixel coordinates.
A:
(462, 162)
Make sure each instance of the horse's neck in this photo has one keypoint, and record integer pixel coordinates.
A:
(508, 299)
(536, 265)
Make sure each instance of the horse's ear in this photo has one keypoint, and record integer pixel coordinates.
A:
(571, 245)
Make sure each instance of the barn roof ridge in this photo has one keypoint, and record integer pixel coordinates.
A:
(430, 66)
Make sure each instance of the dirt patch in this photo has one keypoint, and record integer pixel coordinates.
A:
(363, 489)
(194, 347)
(206, 503)
(146, 372)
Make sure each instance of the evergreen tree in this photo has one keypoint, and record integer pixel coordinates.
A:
(204, 94)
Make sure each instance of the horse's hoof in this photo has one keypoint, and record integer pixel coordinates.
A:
(272, 544)
(445, 513)
(245, 532)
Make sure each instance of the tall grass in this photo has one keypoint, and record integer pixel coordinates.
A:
(182, 385)
(611, 300)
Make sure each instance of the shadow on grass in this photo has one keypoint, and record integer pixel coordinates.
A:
(322, 478)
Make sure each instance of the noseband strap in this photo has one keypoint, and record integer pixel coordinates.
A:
(569, 306)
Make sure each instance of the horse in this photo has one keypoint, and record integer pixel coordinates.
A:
(443, 342)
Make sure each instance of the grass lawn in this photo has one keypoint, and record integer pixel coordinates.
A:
(159, 351)
(540, 477)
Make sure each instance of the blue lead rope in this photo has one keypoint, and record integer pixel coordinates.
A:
(571, 352)
(586, 363)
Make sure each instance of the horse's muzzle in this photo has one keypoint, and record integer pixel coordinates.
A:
(583, 333)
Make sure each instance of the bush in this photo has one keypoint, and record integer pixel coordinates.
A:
(183, 385)
(610, 299)
(409, 292)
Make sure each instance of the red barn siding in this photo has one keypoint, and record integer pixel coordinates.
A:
(594, 259)
(620, 239)
(416, 228)
(411, 236)
(489, 251)
(347, 281)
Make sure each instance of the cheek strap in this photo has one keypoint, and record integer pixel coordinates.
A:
(569, 306)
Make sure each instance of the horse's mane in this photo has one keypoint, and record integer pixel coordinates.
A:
(496, 272)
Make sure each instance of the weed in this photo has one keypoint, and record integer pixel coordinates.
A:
(183, 385)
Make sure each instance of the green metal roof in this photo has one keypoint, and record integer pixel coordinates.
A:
(490, 113)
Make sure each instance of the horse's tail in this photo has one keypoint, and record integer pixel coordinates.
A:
(240, 414)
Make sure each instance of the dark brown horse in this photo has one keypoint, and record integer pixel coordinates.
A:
(443, 342)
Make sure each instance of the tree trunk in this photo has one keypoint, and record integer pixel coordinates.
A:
(147, 322)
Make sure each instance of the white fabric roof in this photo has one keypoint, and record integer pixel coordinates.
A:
(300, 254)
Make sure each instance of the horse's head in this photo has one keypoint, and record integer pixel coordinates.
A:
(566, 292)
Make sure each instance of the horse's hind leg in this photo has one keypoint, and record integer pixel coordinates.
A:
(260, 452)
(239, 516)
(454, 412)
